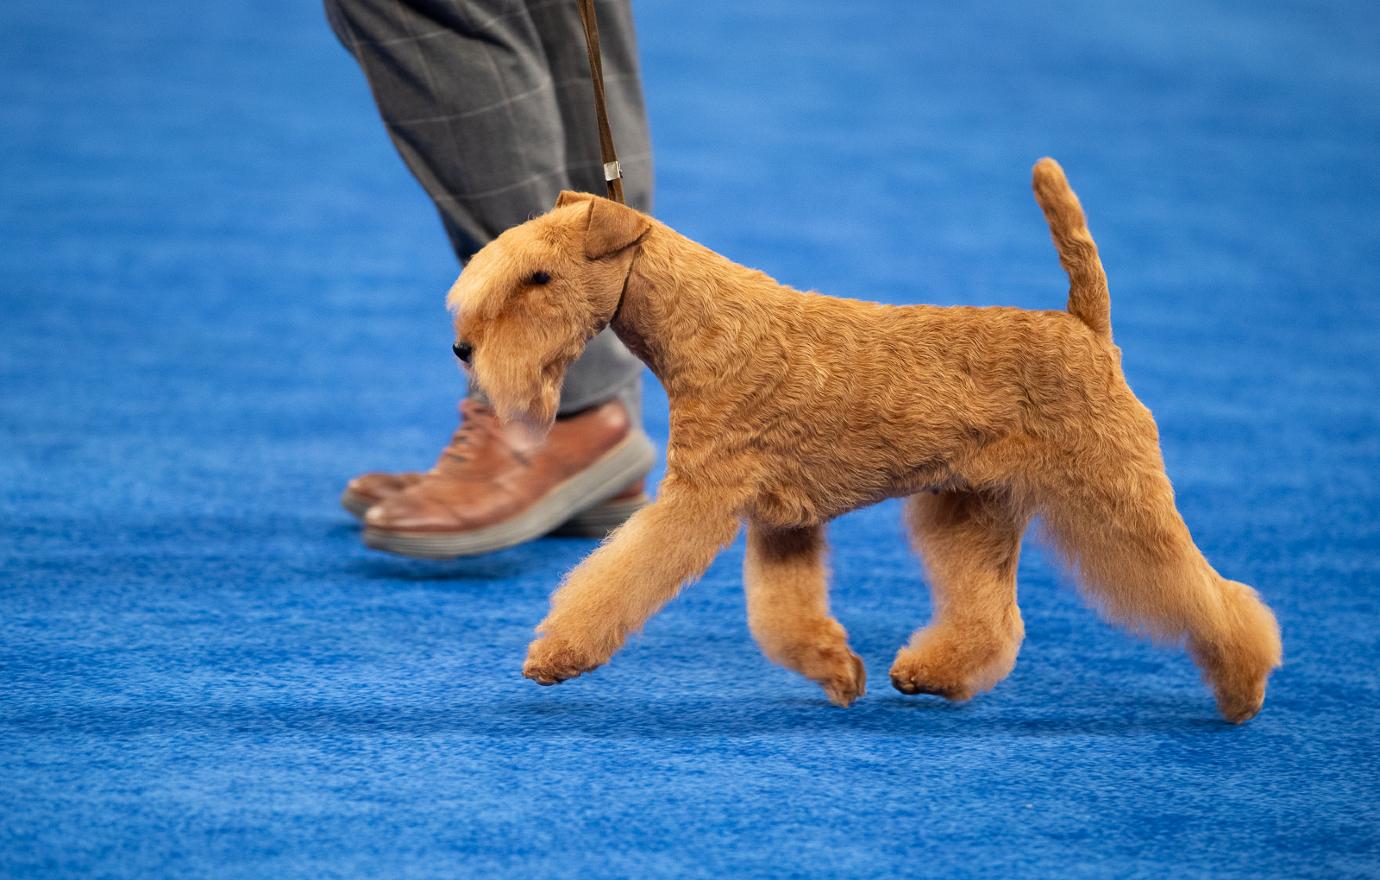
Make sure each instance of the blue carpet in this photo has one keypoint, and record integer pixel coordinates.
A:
(222, 295)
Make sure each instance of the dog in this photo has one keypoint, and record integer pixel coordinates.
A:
(789, 408)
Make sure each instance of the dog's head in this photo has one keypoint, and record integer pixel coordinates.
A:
(527, 303)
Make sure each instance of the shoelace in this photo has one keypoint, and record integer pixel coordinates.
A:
(475, 419)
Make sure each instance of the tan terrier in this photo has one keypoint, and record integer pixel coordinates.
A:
(789, 409)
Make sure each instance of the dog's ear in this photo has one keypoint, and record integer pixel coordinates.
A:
(612, 228)
(570, 197)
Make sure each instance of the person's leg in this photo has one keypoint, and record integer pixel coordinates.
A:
(489, 103)
(490, 106)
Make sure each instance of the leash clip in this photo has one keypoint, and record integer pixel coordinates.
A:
(612, 171)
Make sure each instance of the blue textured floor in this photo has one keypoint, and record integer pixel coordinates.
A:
(221, 295)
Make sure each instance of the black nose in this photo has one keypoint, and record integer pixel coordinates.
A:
(463, 350)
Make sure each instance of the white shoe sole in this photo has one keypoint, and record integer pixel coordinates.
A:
(595, 522)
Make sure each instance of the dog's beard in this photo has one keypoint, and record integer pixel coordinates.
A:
(526, 397)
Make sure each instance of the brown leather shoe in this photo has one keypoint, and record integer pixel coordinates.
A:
(366, 490)
(492, 488)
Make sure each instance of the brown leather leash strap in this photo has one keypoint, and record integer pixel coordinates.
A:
(613, 174)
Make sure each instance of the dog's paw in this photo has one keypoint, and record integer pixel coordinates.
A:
(848, 682)
(912, 674)
(1238, 708)
(918, 681)
(552, 661)
(955, 665)
(1240, 691)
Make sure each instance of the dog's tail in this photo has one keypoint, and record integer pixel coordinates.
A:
(1089, 301)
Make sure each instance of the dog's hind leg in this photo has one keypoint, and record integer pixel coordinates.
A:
(1134, 557)
(970, 543)
(627, 579)
(788, 609)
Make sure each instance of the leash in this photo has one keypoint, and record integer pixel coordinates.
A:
(613, 173)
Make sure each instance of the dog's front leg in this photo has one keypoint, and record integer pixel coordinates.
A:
(627, 580)
(788, 609)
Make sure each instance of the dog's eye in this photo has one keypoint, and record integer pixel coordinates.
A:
(538, 277)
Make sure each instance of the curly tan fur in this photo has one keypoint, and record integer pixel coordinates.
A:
(790, 408)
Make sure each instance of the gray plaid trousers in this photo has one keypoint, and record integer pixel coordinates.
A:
(490, 105)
